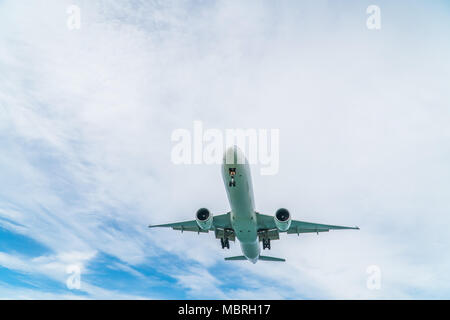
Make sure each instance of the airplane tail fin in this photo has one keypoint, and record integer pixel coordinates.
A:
(262, 258)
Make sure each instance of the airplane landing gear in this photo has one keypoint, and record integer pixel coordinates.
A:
(232, 173)
(266, 244)
(225, 243)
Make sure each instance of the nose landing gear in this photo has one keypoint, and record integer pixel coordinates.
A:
(232, 173)
(225, 243)
(266, 244)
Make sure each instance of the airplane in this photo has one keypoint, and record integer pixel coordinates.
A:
(243, 222)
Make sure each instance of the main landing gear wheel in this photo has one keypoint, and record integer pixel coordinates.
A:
(225, 243)
(232, 183)
(266, 244)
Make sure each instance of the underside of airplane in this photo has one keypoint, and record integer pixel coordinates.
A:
(243, 223)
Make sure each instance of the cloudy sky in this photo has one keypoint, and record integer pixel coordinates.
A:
(86, 117)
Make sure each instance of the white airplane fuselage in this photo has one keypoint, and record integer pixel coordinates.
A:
(240, 197)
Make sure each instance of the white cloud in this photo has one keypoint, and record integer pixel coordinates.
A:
(86, 118)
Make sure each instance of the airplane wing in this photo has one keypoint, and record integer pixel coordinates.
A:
(190, 225)
(305, 227)
(266, 223)
(221, 225)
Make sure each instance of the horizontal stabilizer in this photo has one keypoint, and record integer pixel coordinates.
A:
(262, 258)
(236, 258)
(265, 258)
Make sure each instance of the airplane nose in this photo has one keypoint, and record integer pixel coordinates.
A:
(233, 155)
(229, 157)
(230, 150)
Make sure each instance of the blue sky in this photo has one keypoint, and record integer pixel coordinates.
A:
(86, 118)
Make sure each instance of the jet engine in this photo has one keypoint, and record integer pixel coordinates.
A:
(282, 219)
(204, 219)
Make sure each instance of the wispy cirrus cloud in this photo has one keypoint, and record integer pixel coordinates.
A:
(85, 124)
